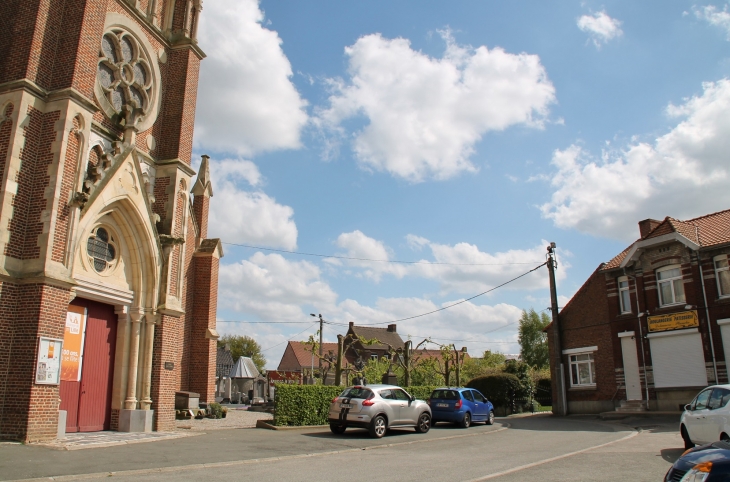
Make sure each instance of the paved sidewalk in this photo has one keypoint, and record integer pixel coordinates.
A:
(78, 441)
(236, 418)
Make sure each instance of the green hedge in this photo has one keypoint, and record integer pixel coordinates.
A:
(309, 404)
(497, 388)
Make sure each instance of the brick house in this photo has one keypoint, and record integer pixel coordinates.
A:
(386, 338)
(297, 357)
(650, 327)
(108, 283)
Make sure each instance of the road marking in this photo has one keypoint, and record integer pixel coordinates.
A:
(179, 468)
(552, 459)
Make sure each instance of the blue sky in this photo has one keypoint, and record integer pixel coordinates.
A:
(465, 135)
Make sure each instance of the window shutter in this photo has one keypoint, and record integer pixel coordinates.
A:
(678, 361)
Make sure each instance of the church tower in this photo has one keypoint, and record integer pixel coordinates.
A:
(108, 283)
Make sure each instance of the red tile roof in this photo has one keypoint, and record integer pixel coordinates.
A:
(304, 355)
(706, 231)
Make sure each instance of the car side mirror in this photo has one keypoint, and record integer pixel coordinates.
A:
(688, 407)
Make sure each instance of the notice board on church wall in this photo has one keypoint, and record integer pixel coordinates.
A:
(48, 364)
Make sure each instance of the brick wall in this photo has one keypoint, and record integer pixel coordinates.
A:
(165, 382)
(201, 205)
(177, 114)
(584, 322)
(25, 225)
(63, 210)
(162, 196)
(29, 412)
(202, 368)
(188, 298)
(6, 128)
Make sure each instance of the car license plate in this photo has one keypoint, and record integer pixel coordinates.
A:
(442, 405)
(345, 405)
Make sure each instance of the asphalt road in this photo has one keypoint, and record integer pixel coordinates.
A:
(541, 448)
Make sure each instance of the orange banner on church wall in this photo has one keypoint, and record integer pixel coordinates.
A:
(73, 342)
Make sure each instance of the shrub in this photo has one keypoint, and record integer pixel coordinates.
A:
(299, 405)
(303, 404)
(215, 410)
(499, 388)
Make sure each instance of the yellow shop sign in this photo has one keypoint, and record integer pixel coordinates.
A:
(675, 321)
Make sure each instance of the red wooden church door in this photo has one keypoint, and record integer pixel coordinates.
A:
(88, 401)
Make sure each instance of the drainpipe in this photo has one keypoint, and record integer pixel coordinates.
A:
(641, 336)
(707, 315)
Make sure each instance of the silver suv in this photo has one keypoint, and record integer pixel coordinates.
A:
(378, 408)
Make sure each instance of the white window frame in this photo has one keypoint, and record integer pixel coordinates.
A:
(621, 290)
(725, 269)
(671, 282)
(573, 365)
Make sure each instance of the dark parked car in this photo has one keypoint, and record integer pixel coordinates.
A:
(706, 463)
(460, 405)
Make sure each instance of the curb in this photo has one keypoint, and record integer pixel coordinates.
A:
(268, 426)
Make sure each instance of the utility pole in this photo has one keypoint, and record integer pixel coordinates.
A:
(321, 352)
(562, 402)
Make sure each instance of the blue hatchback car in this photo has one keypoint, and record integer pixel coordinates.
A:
(460, 405)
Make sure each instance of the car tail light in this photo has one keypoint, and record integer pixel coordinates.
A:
(457, 405)
(368, 403)
(334, 399)
(428, 402)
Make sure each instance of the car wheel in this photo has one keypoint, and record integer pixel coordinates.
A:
(424, 423)
(378, 427)
(687, 441)
(490, 418)
(337, 429)
(467, 420)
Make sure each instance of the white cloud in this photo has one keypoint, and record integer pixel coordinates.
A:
(683, 174)
(272, 287)
(715, 17)
(600, 27)
(246, 100)
(425, 114)
(461, 268)
(241, 216)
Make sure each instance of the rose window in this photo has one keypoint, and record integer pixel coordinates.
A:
(124, 72)
(101, 250)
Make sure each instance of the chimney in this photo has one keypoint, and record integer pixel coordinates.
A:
(647, 226)
(391, 328)
(228, 347)
(352, 323)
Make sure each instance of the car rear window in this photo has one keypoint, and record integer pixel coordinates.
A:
(357, 392)
(445, 395)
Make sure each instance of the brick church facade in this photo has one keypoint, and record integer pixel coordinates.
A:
(108, 282)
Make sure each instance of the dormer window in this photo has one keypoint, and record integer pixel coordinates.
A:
(722, 273)
(623, 294)
(671, 287)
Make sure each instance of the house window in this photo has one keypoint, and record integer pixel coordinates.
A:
(722, 273)
(671, 287)
(582, 370)
(374, 356)
(623, 294)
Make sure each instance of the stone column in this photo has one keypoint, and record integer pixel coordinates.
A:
(150, 321)
(130, 403)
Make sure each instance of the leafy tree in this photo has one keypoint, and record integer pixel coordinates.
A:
(489, 364)
(533, 342)
(426, 373)
(244, 346)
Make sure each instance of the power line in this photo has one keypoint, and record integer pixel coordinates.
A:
(264, 322)
(372, 260)
(290, 339)
(458, 302)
